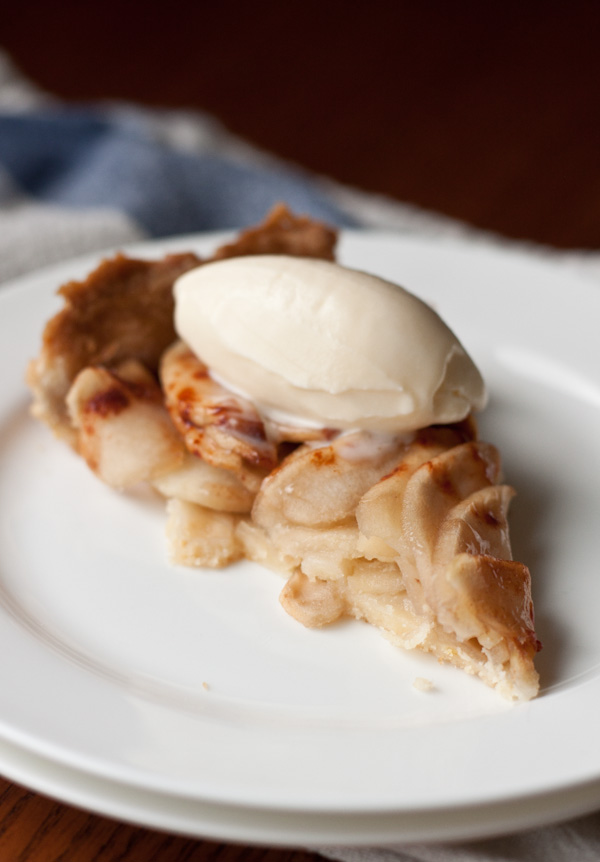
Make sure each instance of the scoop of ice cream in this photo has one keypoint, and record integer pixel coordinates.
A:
(313, 342)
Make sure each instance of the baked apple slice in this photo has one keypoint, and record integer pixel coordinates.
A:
(424, 554)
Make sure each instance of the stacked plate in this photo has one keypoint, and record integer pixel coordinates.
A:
(188, 700)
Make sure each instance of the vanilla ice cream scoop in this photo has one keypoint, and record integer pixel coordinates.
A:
(312, 342)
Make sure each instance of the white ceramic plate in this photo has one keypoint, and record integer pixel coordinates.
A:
(197, 686)
(250, 825)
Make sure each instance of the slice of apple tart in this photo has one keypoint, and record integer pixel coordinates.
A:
(310, 418)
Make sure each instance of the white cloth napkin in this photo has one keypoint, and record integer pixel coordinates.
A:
(79, 179)
(576, 841)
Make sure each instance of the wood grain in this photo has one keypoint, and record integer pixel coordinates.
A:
(36, 829)
(486, 112)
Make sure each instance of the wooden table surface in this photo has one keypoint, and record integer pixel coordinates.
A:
(485, 112)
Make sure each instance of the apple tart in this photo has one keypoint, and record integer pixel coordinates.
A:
(407, 531)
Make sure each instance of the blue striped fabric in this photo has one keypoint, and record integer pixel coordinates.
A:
(84, 158)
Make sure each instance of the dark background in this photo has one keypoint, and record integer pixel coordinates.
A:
(487, 112)
(483, 111)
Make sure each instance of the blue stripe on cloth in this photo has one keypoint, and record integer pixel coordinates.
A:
(81, 158)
